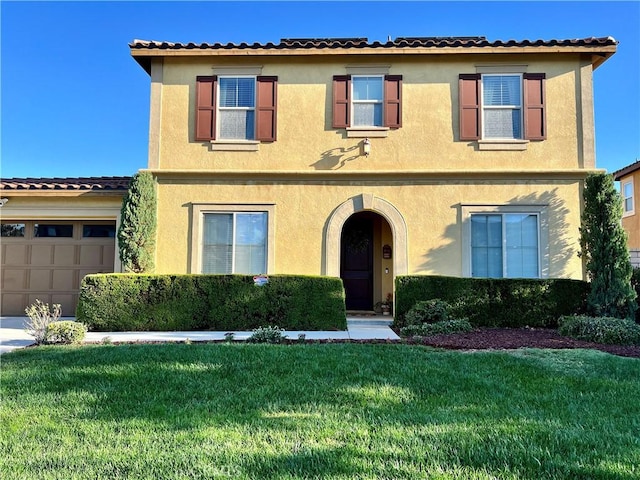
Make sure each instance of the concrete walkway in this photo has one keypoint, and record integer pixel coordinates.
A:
(12, 334)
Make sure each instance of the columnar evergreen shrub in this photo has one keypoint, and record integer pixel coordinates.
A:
(494, 302)
(137, 231)
(604, 248)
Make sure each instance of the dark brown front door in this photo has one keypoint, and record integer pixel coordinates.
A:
(356, 262)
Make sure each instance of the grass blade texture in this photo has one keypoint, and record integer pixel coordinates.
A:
(335, 411)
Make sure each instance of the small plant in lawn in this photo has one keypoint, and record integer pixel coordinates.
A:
(228, 337)
(107, 340)
(65, 332)
(443, 327)
(40, 316)
(615, 331)
(302, 337)
(268, 334)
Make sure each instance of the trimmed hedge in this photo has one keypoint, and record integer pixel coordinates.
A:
(613, 331)
(130, 302)
(489, 302)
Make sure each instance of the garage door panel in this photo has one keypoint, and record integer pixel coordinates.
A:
(44, 297)
(14, 279)
(91, 255)
(64, 280)
(64, 255)
(41, 255)
(68, 303)
(108, 256)
(14, 254)
(14, 303)
(40, 280)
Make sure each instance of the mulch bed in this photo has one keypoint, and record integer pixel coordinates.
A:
(510, 338)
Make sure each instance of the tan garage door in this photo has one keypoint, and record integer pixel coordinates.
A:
(47, 260)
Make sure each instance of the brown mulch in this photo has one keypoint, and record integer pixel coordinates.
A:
(511, 338)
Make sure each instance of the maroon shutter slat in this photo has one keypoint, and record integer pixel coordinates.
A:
(393, 101)
(535, 124)
(341, 87)
(469, 98)
(206, 108)
(267, 100)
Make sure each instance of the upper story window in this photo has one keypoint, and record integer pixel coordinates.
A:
(367, 101)
(502, 106)
(236, 108)
(627, 198)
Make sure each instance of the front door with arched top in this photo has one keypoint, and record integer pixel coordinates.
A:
(356, 261)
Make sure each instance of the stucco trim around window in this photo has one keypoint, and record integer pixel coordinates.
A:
(237, 146)
(468, 210)
(368, 132)
(628, 197)
(503, 145)
(195, 228)
(360, 203)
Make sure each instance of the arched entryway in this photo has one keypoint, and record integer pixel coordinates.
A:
(366, 245)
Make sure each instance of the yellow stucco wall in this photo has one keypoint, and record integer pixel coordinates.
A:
(426, 141)
(631, 222)
(421, 169)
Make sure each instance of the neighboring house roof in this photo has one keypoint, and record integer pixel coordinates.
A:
(602, 48)
(76, 184)
(628, 170)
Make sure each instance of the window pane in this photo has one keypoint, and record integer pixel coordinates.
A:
(628, 204)
(251, 244)
(486, 246)
(13, 229)
(502, 123)
(367, 88)
(628, 189)
(237, 92)
(217, 243)
(97, 231)
(53, 230)
(501, 90)
(522, 245)
(367, 114)
(237, 124)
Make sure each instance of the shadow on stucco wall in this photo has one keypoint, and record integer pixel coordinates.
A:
(336, 158)
(442, 260)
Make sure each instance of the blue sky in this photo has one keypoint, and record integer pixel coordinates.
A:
(74, 102)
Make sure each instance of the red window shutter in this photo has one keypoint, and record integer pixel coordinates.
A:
(341, 107)
(267, 99)
(535, 124)
(206, 108)
(393, 101)
(469, 98)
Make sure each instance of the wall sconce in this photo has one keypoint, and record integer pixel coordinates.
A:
(386, 251)
(366, 147)
(3, 201)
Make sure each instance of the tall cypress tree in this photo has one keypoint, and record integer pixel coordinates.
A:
(604, 247)
(137, 232)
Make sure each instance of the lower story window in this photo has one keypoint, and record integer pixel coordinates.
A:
(234, 242)
(505, 245)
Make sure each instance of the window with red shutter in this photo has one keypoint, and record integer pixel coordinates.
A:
(206, 108)
(469, 100)
(535, 125)
(266, 105)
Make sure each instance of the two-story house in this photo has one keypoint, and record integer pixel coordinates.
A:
(367, 160)
(629, 178)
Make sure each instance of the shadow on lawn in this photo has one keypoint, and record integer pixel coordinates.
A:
(381, 409)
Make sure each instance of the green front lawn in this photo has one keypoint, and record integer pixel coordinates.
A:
(317, 411)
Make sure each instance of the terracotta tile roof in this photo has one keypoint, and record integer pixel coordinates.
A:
(78, 183)
(362, 42)
(629, 169)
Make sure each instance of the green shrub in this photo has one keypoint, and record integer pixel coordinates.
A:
(65, 332)
(437, 328)
(494, 302)
(268, 334)
(615, 331)
(635, 283)
(428, 311)
(130, 302)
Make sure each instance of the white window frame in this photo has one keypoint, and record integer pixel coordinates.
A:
(543, 233)
(220, 108)
(354, 102)
(502, 107)
(198, 211)
(632, 211)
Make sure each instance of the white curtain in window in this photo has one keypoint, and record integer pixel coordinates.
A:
(237, 104)
(367, 101)
(502, 99)
(237, 124)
